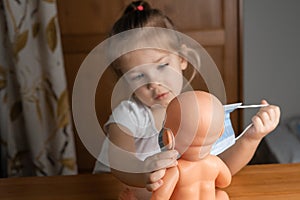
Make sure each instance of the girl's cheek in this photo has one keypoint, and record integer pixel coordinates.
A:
(175, 86)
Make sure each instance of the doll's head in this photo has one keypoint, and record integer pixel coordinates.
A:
(196, 119)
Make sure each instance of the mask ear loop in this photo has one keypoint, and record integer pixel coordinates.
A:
(250, 125)
(244, 131)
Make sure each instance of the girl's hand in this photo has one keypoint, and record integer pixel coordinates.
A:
(157, 165)
(265, 121)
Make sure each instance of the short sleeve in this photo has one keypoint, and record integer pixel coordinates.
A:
(131, 115)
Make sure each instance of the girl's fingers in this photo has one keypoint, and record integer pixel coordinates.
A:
(257, 123)
(154, 186)
(277, 113)
(156, 176)
(161, 160)
(266, 119)
(166, 155)
(270, 114)
(264, 102)
(161, 164)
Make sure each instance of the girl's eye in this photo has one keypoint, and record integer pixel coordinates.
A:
(161, 66)
(138, 77)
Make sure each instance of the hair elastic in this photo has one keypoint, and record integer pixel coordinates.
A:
(140, 8)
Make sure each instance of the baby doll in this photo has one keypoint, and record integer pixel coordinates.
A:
(194, 121)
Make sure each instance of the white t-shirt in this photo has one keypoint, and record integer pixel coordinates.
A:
(138, 119)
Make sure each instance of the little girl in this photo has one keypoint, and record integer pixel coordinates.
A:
(155, 75)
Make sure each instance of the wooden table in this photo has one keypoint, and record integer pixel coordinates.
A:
(277, 181)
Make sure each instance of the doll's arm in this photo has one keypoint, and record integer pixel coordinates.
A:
(224, 177)
(169, 182)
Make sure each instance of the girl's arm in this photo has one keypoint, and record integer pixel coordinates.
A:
(128, 168)
(170, 180)
(265, 121)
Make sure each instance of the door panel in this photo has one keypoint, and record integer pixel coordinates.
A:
(212, 23)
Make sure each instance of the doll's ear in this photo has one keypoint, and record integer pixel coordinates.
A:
(222, 131)
(168, 139)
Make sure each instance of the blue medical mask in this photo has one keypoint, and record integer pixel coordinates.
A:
(228, 138)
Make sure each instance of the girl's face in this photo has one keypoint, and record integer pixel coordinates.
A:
(155, 76)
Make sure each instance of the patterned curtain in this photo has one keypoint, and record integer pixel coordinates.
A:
(35, 124)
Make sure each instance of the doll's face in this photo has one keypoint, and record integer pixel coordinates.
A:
(155, 76)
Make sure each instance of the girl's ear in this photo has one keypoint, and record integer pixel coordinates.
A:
(183, 61)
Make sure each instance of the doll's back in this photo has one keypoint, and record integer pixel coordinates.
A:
(197, 179)
(196, 119)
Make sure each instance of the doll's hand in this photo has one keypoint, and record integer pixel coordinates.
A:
(157, 164)
(265, 121)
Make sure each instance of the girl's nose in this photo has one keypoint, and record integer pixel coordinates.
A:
(154, 80)
(152, 85)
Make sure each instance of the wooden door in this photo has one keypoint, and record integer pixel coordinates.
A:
(213, 23)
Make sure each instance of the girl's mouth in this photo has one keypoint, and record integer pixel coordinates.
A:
(161, 96)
